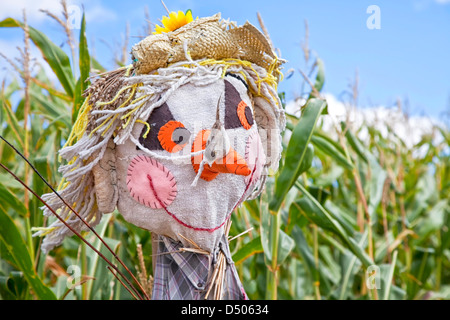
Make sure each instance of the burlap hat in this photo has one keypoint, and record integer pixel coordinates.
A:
(208, 38)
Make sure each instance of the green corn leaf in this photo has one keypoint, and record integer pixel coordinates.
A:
(330, 149)
(354, 142)
(94, 257)
(265, 221)
(320, 78)
(11, 199)
(285, 243)
(85, 59)
(434, 219)
(390, 275)
(303, 249)
(297, 152)
(51, 110)
(285, 246)
(319, 214)
(376, 184)
(247, 250)
(309, 209)
(349, 267)
(14, 243)
(378, 175)
(77, 102)
(85, 67)
(422, 266)
(54, 55)
(13, 123)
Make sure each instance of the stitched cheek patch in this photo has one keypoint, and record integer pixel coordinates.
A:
(254, 155)
(142, 173)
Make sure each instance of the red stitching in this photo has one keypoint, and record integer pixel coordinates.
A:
(210, 230)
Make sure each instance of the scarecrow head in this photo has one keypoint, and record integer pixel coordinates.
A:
(180, 138)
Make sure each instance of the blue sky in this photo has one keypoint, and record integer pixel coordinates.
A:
(407, 58)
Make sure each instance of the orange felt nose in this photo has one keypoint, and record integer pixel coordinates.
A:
(232, 163)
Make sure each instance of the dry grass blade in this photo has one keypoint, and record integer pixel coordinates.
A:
(146, 281)
(240, 234)
(54, 267)
(400, 238)
(148, 29)
(26, 77)
(218, 275)
(314, 92)
(83, 280)
(305, 43)
(196, 248)
(165, 7)
(264, 29)
(64, 24)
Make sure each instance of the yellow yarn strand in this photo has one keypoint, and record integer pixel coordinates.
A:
(147, 125)
(129, 67)
(134, 110)
(116, 96)
(270, 79)
(46, 230)
(110, 121)
(79, 127)
(109, 125)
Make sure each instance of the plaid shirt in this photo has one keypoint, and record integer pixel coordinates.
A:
(186, 275)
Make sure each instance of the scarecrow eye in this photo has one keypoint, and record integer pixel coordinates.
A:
(158, 118)
(245, 115)
(237, 113)
(173, 136)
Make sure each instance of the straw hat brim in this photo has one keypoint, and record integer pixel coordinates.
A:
(203, 38)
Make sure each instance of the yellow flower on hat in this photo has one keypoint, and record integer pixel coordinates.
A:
(174, 21)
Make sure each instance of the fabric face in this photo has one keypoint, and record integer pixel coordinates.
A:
(157, 192)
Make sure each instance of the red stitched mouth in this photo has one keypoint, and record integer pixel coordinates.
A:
(210, 230)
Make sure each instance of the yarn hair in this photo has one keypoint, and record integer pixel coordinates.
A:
(114, 103)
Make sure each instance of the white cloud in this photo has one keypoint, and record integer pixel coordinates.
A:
(388, 121)
(94, 10)
(14, 9)
(421, 5)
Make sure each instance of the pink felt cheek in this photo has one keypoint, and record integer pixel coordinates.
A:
(255, 157)
(151, 183)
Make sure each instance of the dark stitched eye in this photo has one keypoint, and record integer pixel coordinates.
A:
(237, 113)
(158, 118)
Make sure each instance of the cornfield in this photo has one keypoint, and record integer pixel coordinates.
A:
(345, 217)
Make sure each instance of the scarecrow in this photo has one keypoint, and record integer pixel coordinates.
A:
(175, 142)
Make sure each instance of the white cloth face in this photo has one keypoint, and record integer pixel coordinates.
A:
(165, 183)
